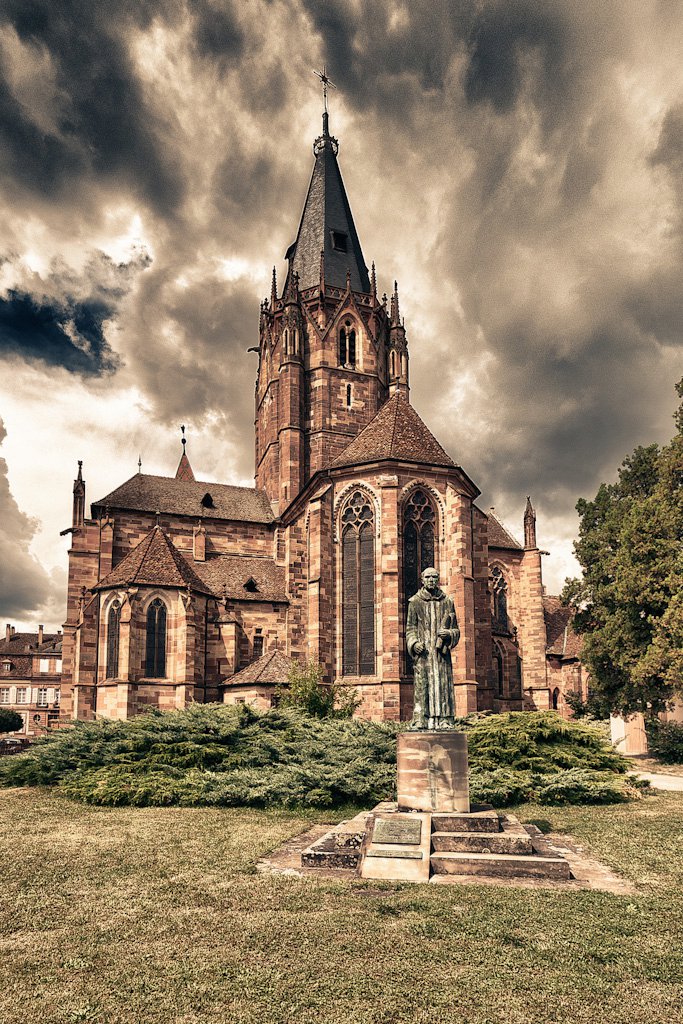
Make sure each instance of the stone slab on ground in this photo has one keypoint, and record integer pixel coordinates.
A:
(405, 861)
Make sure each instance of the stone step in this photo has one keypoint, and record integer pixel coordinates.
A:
(481, 842)
(501, 865)
(479, 821)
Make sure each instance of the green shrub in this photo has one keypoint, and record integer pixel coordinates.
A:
(220, 755)
(10, 720)
(307, 692)
(665, 741)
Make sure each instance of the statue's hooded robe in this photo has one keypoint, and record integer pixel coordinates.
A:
(427, 614)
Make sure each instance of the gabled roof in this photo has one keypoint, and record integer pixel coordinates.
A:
(561, 640)
(147, 493)
(395, 432)
(155, 562)
(499, 537)
(271, 669)
(228, 575)
(327, 226)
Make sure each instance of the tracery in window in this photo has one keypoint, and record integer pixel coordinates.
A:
(347, 345)
(155, 661)
(419, 519)
(113, 633)
(358, 586)
(498, 586)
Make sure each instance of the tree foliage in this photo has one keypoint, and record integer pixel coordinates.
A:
(10, 720)
(630, 600)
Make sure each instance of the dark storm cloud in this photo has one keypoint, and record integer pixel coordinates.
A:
(61, 321)
(24, 583)
(69, 335)
(103, 126)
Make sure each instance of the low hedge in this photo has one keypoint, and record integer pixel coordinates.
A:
(223, 755)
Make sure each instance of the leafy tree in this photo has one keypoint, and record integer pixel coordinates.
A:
(10, 721)
(307, 692)
(630, 600)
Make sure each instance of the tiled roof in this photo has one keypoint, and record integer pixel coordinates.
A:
(184, 470)
(155, 562)
(272, 668)
(22, 667)
(25, 643)
(234, 571)
(561, 640)
(147, 493)
(396, 432)
(499, 536)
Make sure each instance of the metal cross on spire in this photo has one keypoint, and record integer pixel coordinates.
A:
(322, 75)
(183, 439)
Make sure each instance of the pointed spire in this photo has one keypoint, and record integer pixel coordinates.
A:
(529, 525)
(373, 282)
(395, 318)
(273, 291)
(78, 513)
(139, 463)
(184, 470)
(327, 224)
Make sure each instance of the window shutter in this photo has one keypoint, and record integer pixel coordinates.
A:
(367, 601)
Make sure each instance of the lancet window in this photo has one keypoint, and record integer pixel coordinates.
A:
(498, 670)
(347, 345)
(499, 588)
(419, 519)
(358, 586)
(155, 660)
(113, 633)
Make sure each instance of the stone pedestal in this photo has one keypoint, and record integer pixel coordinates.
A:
(432, 771)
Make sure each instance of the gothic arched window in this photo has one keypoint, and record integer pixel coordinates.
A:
(155, 660)
(113, 631)
(556, 698)
(499, 587)
(342, 347)
(419, 520)
(498, 670)
(358, 586)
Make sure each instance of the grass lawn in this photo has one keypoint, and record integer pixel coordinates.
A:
(156, 915)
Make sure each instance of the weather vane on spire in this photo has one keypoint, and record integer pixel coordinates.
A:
(183, 438)
(322, 75)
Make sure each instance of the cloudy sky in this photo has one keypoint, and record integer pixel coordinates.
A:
(516, 164)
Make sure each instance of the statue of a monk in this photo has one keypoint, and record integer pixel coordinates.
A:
(431, 633)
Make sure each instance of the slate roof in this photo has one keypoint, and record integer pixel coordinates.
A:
(327, 210)
(561, 640)
(272, 668)
(147, 493)
(155, 562)
(234, 571)
(499, 537)
(395, 432)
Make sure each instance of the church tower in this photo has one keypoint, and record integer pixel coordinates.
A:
(330, 352)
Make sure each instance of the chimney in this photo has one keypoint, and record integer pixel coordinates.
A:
(8, 633)
(40, 634)
(13, 630)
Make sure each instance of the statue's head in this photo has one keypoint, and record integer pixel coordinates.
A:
(430, 579)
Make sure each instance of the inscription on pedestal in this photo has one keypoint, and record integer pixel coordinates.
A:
(402, 831)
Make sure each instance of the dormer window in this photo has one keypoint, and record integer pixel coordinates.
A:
(251, 586)
(7, 666)
(207, 501)
(340, 241)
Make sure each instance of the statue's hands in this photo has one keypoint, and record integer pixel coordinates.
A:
(419, 648)
(444, 634)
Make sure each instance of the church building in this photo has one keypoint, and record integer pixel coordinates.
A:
(181, 590)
